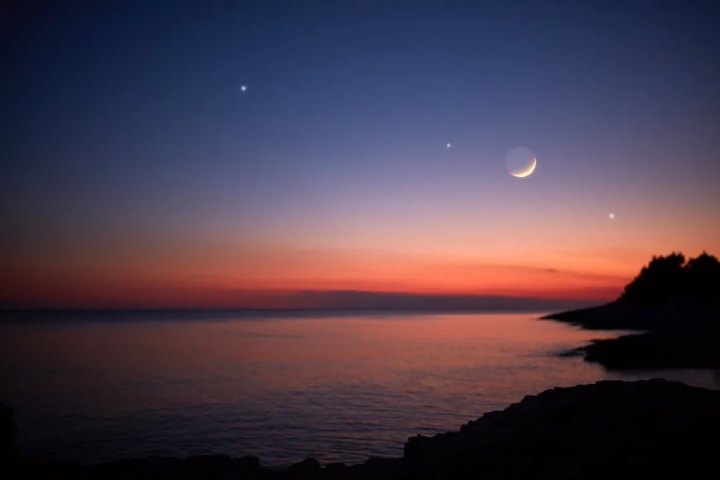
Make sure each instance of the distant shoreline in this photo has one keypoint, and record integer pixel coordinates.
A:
(160, 314)
(323, 301)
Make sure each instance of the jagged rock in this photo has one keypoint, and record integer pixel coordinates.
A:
(306, 467)
(249, 462)
(335, 471)
(382, 468)
(245, 468)
(609, 425)
(204, 466)
(212, 460)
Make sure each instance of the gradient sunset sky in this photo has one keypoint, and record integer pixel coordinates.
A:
(137, 172)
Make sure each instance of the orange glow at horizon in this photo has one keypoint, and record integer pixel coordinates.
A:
(230, 271)
(265, 279)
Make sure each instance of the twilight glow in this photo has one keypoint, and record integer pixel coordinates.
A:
(140, 174)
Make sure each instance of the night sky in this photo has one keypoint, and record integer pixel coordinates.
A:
(137, 172)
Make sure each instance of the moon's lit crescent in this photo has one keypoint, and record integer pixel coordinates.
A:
(527, 172)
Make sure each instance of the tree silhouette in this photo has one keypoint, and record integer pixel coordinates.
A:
(704, 277)
(671, 278)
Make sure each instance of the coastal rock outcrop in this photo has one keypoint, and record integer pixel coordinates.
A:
(588, 430)
(673, 302)
(644, 428)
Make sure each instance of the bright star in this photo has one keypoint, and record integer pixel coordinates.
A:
(612, 215)
(243, 88)
(448, 145)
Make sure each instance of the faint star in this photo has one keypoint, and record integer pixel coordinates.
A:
(612, 215)
(448, 145)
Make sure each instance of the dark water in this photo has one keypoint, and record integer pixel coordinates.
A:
(338, 388)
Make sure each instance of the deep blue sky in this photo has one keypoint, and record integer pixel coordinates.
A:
(125, 123)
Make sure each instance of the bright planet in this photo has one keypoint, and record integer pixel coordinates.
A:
(520, 162)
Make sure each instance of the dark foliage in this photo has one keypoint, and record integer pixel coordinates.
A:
(671, 278)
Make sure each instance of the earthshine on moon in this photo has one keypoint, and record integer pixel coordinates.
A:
(520, 162)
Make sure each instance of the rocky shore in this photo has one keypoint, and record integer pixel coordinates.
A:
(628, 315)
(655, 350)
(588, 431)
(674, 303)
(674, 335)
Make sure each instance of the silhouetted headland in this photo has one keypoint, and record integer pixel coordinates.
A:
(653, 427)
(676, 305)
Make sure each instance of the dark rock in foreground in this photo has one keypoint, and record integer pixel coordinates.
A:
(609, 428)
(618, 428)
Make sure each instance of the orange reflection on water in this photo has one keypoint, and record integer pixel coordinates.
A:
(229, 359)
(340, 388)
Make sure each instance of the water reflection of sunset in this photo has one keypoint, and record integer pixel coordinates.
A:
(243, 383)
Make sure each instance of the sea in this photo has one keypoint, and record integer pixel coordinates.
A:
(336, 386)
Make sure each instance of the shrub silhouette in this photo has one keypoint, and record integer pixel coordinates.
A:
(671, 278)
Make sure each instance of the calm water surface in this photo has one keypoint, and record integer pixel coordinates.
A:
(336, 388)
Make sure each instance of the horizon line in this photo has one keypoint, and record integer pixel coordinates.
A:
(323, 300)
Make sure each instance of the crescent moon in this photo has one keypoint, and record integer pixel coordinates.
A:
(527, 172)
